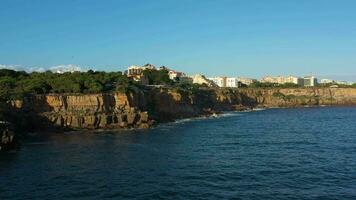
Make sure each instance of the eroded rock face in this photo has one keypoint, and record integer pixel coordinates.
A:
(301, 96)
(142, 108)
(92, 111)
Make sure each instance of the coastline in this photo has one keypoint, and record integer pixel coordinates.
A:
(146, 108)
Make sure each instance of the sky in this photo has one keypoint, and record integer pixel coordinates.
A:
(249, 38)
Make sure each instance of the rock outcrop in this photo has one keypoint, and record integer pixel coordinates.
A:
(8, 139)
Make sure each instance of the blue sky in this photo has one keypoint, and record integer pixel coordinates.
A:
(215, 37)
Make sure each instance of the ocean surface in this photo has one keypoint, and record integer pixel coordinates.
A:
(304, 153)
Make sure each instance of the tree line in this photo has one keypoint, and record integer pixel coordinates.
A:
(17, 84)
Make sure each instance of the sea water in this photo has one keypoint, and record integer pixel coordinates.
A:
(303, 153)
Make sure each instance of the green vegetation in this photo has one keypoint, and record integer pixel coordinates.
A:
(262, 85)
(157, 77)
(14, 85)
(273, 85)
(289, 85)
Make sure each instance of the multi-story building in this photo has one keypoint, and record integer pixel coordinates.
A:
(282, 80)
(232, 82)
(223, 81)
(310, 81)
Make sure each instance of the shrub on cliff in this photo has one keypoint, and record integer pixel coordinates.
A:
(262, 85)
(157, 77)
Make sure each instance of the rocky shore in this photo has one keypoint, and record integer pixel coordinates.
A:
(8, 139)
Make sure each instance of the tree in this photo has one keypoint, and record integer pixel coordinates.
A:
(7, 84)
(157, 77)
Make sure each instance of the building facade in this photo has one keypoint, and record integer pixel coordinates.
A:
(310, 81)
(219, 81)
(232, 82)
(223, 81)
(282, 80)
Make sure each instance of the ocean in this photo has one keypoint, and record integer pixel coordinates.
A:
(296, 153)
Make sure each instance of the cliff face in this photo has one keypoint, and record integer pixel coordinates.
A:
(302, 97)
(84, 111)
(141, 108)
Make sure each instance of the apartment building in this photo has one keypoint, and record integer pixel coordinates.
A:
(224, 81)
(282, 80)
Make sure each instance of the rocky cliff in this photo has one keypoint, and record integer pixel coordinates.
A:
(294, 97)
(140, 109)
(77, 111)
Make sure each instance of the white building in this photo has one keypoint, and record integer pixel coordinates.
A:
(219, 81)
(282, 79)
(223, 81)
(310, 81)
(232, 82)
(60, 69)
(326, 81)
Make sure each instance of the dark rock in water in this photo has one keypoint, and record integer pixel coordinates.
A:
(8, 140)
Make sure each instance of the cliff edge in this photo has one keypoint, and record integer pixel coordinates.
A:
(143, 108)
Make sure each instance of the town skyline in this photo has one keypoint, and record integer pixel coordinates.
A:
(72, 67)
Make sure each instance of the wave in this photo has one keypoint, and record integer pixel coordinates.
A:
(217, 116)
(259, 109)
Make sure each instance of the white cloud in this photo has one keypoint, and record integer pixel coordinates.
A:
(68, 68)
(57, 69)
(13, 67)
